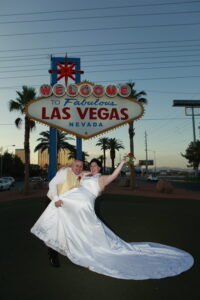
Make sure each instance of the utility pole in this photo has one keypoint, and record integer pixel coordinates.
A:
(132, 168)
(145, 135)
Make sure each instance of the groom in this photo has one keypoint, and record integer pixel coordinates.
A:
(64, 180)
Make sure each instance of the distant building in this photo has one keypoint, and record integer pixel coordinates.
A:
(43, 159)
(21, 154)
(63, 158)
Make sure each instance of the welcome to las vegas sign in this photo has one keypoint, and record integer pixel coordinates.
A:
(84, 110)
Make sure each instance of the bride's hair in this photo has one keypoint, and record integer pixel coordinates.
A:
(99, 164)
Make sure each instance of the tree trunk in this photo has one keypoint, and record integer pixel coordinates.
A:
(132, 169)
(27, 155)
(104, 161)
(112, 156)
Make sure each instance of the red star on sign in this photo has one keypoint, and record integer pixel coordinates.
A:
(66, 70)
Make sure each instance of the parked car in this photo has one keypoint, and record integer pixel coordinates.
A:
(10, 179)
(152, 178)
(36, 179)
(4, 184)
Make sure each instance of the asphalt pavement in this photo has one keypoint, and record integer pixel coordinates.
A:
(179, 184)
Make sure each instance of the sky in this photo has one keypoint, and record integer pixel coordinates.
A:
(153, 43)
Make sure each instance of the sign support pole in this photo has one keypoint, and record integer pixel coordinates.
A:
(53, 131)
(193, 125)
(78, 140)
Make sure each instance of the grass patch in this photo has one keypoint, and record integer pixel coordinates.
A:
(26, 274)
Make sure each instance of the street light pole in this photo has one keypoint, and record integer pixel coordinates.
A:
(2, 157)
(193, 125)
(154, 153)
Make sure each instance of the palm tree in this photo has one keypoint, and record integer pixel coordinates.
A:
(27, 94)
(100, 158)
(72, 155)
(62, 143)
(139, 97)
(103, 142)
(113, 145)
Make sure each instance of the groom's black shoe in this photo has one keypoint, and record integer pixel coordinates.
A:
(54, 261)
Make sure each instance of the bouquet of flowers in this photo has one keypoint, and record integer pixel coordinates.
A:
(131, 158)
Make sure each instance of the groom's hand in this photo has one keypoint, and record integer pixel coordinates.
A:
(59, 203)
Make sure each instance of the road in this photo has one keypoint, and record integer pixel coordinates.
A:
(188, 185)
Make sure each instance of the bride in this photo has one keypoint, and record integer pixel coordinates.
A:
(71, 227)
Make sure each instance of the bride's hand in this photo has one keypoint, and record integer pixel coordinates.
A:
(59, 203)
(124, 160)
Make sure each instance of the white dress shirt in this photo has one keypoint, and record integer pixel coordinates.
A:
(59, 178)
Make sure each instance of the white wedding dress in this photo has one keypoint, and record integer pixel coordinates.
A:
(75, 231)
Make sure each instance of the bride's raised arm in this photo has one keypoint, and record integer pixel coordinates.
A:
(106, 179)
